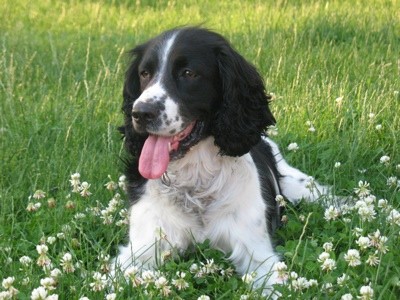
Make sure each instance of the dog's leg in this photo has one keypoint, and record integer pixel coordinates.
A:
(296, 185)
(156, 227)
(239, 227)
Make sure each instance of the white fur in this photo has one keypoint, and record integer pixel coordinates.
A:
(213, 197)
(209, 197)
(296, 185)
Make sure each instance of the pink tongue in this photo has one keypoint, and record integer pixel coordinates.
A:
(154, 159)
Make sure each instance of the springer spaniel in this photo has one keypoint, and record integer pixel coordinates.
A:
(201, 166)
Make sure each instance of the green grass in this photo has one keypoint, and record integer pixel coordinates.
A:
(61, 72)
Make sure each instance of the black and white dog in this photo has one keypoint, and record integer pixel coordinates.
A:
(202, 167)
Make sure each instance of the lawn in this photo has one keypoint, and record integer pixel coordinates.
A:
(334, 70)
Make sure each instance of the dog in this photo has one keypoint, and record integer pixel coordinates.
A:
(201, 166)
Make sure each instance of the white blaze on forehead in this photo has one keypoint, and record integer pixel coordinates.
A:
(164, 53)
(156, 91)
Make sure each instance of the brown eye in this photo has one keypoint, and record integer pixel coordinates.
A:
(144, 74)
(189, 73)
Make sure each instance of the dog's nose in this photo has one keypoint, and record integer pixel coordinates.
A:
(144, 113)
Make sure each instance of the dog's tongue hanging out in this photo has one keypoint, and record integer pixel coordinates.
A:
(154, 158)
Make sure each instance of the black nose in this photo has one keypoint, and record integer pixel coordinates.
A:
(144, 113)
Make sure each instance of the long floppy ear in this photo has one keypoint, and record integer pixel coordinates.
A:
(244, 113)
(133, 141)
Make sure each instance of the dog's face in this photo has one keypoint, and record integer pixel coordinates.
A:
(187, 84)
(179, 83)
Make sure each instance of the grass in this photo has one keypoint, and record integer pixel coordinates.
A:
(335, 64)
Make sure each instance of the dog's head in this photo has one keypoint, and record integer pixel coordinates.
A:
(187, 84)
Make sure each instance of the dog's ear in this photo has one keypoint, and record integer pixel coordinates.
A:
(133, 141)
(244, 113)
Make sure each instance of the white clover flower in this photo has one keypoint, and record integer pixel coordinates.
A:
(79, 216)
(373, 259)
(293, 147)
(363, 242)
(75, 182)
(352, 257)
(293, 275)
(393, 217)
(312, 282)
(122, 182)
(84, 189)
(328, 246)
(111, 296)
(8, 282)
(384, 160)
(111, 185)
(371, 116)
(248, 278)
(346, 297)
(328, 264)
(337, 165)
(310, 184)
(378, 241)
(272, 130)
(366, 293)
(132, 273)
(180, 283)
(392, 181)
(382, 203)
(323, 257)
(280, 200)
(100, 282)
(367, 212)
(51, 240)
(55, 273)
(48, 283)
(209, 266)
(39, 194)
(379, 127)
(243, 297)
(363, 189)
(52, 297)
(148, 277)
(67, 263)
(343, 279)
(327, 287)
(331, 213)
(193, 268)
(42, 249)
(161, 282)
(339, 101)
(203, 297)
(5, 295)
(39, 293)
(61, 235)
(281, 268)
(300, 284)
(25, 261)
(357, 231)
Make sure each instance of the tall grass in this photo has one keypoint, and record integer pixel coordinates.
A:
(335, 64)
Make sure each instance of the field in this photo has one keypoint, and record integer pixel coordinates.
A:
(334, 70)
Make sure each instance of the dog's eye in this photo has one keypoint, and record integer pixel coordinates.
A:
(145, 74)
(189, 73)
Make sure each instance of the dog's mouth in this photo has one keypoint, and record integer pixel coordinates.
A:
(158, 150)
